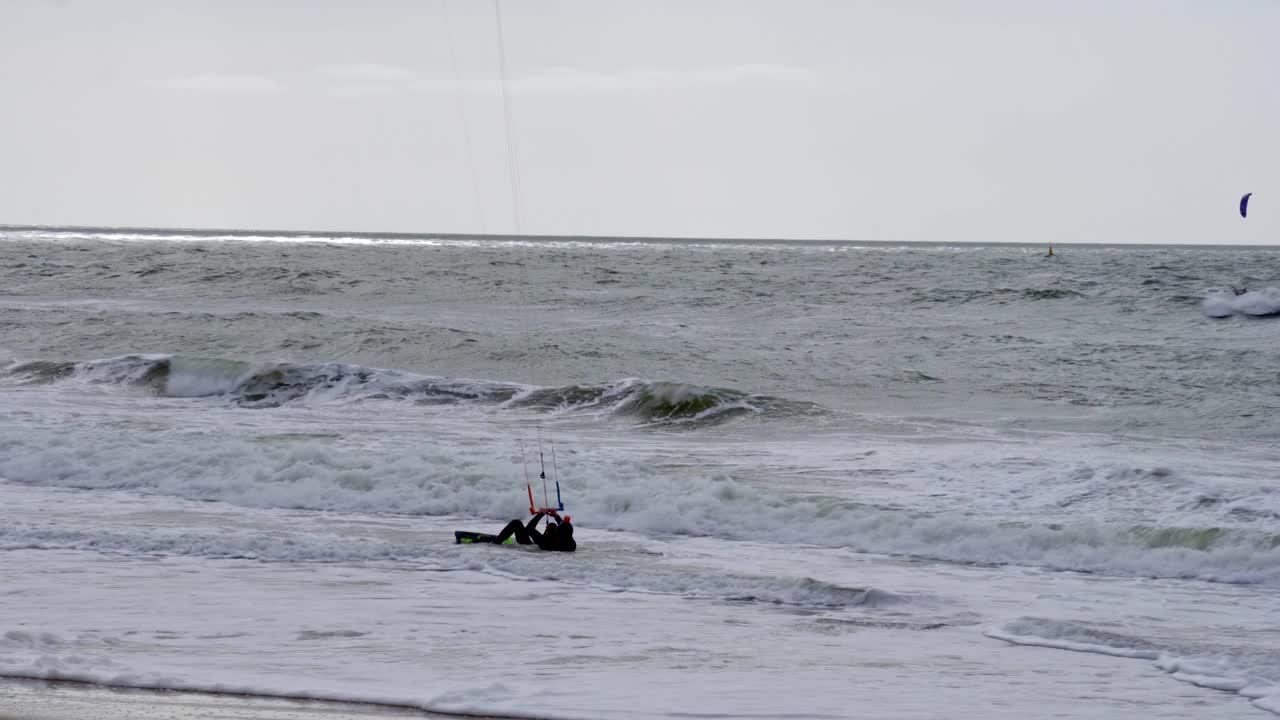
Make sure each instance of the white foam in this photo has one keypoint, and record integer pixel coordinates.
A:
(609, 568)
(1038, 632)
(1255, 675)
(1258, 303)
(443, 477)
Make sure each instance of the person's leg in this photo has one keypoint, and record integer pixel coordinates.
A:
(515, 527)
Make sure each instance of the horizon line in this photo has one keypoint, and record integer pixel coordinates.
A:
(511, 237)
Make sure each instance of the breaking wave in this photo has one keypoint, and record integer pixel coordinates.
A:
(273, 384)
(1254, 303)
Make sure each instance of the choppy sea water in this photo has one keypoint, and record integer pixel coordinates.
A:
(879, 475)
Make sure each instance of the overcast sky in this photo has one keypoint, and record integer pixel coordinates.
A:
(1007, 120)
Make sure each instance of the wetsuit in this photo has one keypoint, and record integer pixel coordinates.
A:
(557, 537)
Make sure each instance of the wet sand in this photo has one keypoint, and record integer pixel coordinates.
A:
(38, 700)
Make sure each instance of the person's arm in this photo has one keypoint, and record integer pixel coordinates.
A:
(549, 538)
(532, 526)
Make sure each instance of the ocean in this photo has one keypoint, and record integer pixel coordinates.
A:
(809, 480)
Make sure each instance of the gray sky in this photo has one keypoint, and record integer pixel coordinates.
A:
(1106, 121)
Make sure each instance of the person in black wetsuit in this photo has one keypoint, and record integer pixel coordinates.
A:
(554, 537)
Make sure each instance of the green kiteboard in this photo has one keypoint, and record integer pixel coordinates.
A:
(466, 537)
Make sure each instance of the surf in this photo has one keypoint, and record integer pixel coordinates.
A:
(264, 385)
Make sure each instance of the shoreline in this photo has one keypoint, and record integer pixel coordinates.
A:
(29, 699)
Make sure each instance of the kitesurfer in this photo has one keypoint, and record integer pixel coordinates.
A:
(555, 537)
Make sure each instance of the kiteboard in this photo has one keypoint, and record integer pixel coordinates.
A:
(466, 537)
